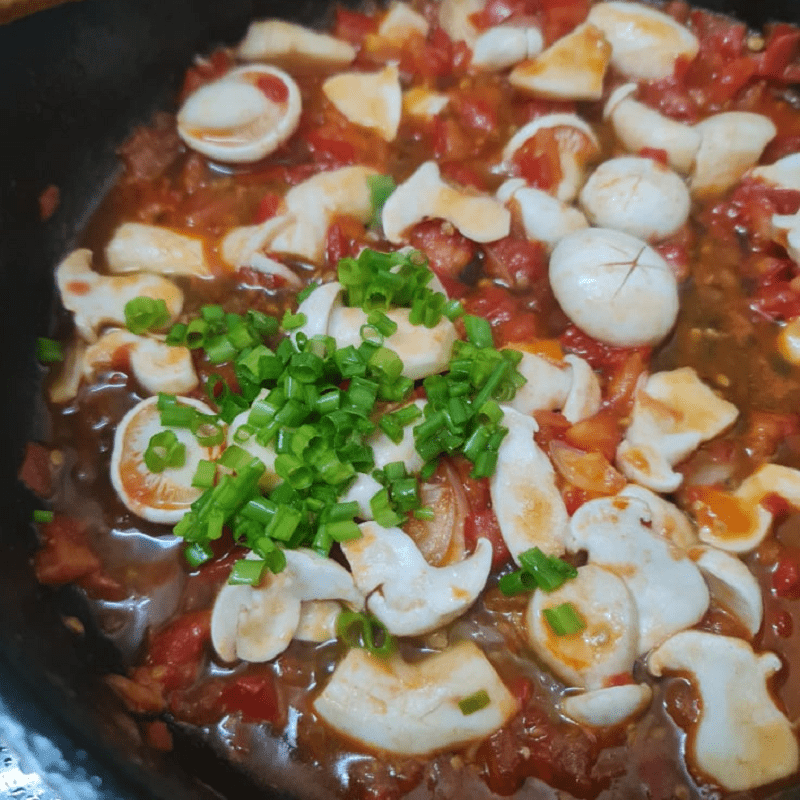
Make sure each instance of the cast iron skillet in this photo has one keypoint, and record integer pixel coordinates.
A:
(74, 81)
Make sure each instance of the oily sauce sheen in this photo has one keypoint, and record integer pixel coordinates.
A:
(738, 290)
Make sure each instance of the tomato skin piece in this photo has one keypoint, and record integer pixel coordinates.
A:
(782, 47)
(254, 696)
(182, 641)
(484, 525)
(786, 576)
(777, 301)
(538, 161)
(519, 263)
(267, 207)
(273, 88)
(353, 26)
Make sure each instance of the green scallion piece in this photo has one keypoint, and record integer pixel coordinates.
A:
(474, 702)
(49, 351)
(204, 474)
(164, 451)
(564, 620)
(42, 515)
(358, 629)
(247, 572)
(292, 321)
(145, 314)
(380, 188)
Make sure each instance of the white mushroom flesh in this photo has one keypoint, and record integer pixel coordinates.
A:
(612, 705)
(136, 247)
(732, 682)
(502, 46)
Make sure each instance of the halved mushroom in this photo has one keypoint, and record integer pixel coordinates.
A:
(544, 218)
(455, 18)
(503, 46)
(413, 708)
(157, 366)
(256, 623)
(638, 196)
(577, 146)
(730, 143)
(371, 99)
(611, 705)
(673, 412)
(303, 219)
(294, 46)
(529, 508)
(136, 247)
(572, 68)
(638, 126)
(426, 196)
(732, 681)
(667, 587)
(156, 496)
(614, 286)
(400, 22)
(784, 173)
(96, 300)
(242, 117)
(645, 42)
(609, 642)
(408, 595)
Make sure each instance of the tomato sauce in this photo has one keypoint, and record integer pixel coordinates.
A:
(737, 289)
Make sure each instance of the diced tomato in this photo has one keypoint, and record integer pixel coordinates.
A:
(601, 432)
(538, 160)
(461, 173)
(497, 11)
(448, 251)
(508, 315)
(36, 471)
(625, 377)
(781, 49)
(730, 80)
(49, 200)
(267, 207)
(353, 26)
(620, 679)
(519, 263)
(273, 88)
(552, 426)
(656, 153)
(478, 107)
(782, 624)
(561, 17)
(484, 525)
(175, 652)
(433, 57)
(786, 576)
(451, 141)
(254, 696)
(599, 355)
(521, 689)
(158, 735)
(331, 148)
(66, 556)
(342, 239)
(777, 301)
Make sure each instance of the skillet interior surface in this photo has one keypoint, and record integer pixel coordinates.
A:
(76, 80)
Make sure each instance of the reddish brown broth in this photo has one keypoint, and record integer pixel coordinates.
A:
(730, 316)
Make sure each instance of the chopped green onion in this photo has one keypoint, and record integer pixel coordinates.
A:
(380, 188)
(479, 332)
(42, 515)
(163, 451)
(538, 570)
(564, 619)
(145, 314)
(292, 321)
(474, 702)
(358, 629)
(204, 474)
(247, 572)
(49, 351)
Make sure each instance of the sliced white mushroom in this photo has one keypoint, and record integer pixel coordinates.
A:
(572, 68)
(637, 126)
(577, 145)
(673, 412)
(733, 683)
(607, 645)
(96, 300)
(156, 496)
(157, 366)
(638, 196)
(136, 247)
(666, 519)
(784, 173)
(612, 705)
(426, 196)
(304, 217)
(529, 508)
(455, 18)
(544, 218)
(413, 708)
(370, 99)
(240, 118)
(614, 287)
(256, 623)
(667, 587)
(421, 102)
(318, 620)
(502, 46)
(570, 386)
(384, 451)
(318, 307)
(645, 42)
(749, 521)
(271, 266)
(788, 339)
(732, 585)
(423, 351)
(730, 143)
(400, 22)
(408, 595)
(294, 46)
